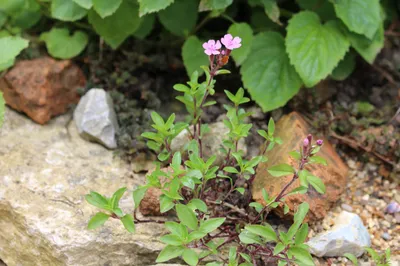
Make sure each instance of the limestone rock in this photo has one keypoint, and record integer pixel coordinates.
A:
(293, 129)
(95, 118)
(150, 204)
(211, 141)
(42, 88)
(348, 235)
(45, 172)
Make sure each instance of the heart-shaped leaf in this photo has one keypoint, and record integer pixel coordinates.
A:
(61, 44)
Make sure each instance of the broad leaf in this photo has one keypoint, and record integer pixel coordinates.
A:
(186, 216)
(87, 4)
(302, 256)
(266, 231)
(244, 31)
(183, 23)
(138, 195)
(116, 28)
(198, 204)
(248, 237)
(314, 49)
(272, 10)
(360, 16)
(214, 4)
(98, 220)
(67, 10)
(150, 6)
(281, 170)
(106, 8)
(211, 224)
(10, 47)
(169, 252)
(190, 257)
(166, 203)
(60, 44)
(345, 67)
(193, 55)
(146, 26)
(267, 73)
(27, 16)
(317, 183)
(128, 223)
(172, 240)
(324, 9)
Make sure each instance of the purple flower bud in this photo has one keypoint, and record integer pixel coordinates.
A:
(306, 142)
(320, 142)
(393, 207)
(309, 137)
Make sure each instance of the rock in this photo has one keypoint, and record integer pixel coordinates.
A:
(150, 204)
(292, 129)
(348, 235)
(211, 141)
(42, 88)
(95, 118)
(45, 172)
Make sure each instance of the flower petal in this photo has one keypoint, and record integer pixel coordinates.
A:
(218, 45)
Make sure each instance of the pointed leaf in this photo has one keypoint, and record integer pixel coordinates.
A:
(97, 220)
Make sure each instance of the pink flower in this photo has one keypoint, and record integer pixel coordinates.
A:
(212, 47)
(320, 142)
(230, 42)
(306, 142)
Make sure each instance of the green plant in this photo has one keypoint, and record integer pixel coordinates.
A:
(322, 36)
(380, 260)
(202, 193)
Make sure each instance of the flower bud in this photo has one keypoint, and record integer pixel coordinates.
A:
(306, 142)
(309, 137)
(320, 142)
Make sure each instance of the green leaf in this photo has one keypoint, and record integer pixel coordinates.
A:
(151, 6)
(317, 183)
(318, 159)
(87, 4)
(116, 197)
(67, 10)
(106, 8)
(211, 224)
(183, 23)
(302, 256)
(60, 44)
(190, 257)
(231, 169)
(267, 71)
(214, 4)
(352, 258)
(97, 200)
(240, 190)
(177, 229)
(138, 195)
(116, 28)
(2, 109)
(281, 170)
(193, 55)
(169, 252)
(295, 154)
(324, 9)
(146, 26)
(198, 204)
(301, 234)
(97, 220)
(10, 47)
(272, 10)
(301, 212)
(166, 203)
(247, 237)
(27, 16)
(266, 231)
(118, 212)
(271, 127)
(128, 223)
(314, 49)
(345, 67)
(172, 240)
(368, 49)
(186, 216)
(278, 248)
(360, 16)
(246, 34)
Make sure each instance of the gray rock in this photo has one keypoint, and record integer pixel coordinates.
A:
(348, 235)
(212, 141)
(45, 172)
(95, 118)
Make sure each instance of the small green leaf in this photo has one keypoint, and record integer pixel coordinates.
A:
(193, 55)
(240, 190)
(151, 6)
(317, 183)
(190, 257)
(186, 216)
(279, 248)
(166, 203)
(302, 256)
(301, 234)
(211, 224)
(128, 223)
(97, 220)
(295, 154)
(231, 169)
(247, 237)
(138, 195)
(198, 204)
(281, 170)
(352, 258)
(246, 34)
(67, 10)
(116, 197)
(172, 240)
(271, 127)
(272, 10)
(170, 252)
(285, 209)
(266, 231)
(318, 159)
(301, 212)
(97, 200)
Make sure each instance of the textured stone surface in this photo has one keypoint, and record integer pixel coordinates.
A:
(150, 204)
(95, 118)
(348, 235)
(45, 171)
(293, 129)
(211, 141)
(42, 88)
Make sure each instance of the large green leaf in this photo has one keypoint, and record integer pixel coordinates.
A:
(67, 10)
(183, 23)
(368, 49)
(324, 9)
(314, 49)
(214, 4)
(146, 26)
(84, 3)
(27, 16)
(360, 16)
(106, 8)
(2, 108)
(10, 47)
(244, 31)
(271, 8)
(186, 216)
(267, 73)
(117, 27)
(193, 55)
(345, 67)
(150, 6)
(61, 44)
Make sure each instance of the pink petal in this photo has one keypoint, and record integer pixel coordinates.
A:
(237, 40)
(205, 45)
(215, 52)
(218, 45)
(208, 52)
(211, 42)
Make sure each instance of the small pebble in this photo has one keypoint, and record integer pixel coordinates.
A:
(347, 207)
(386, 236)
